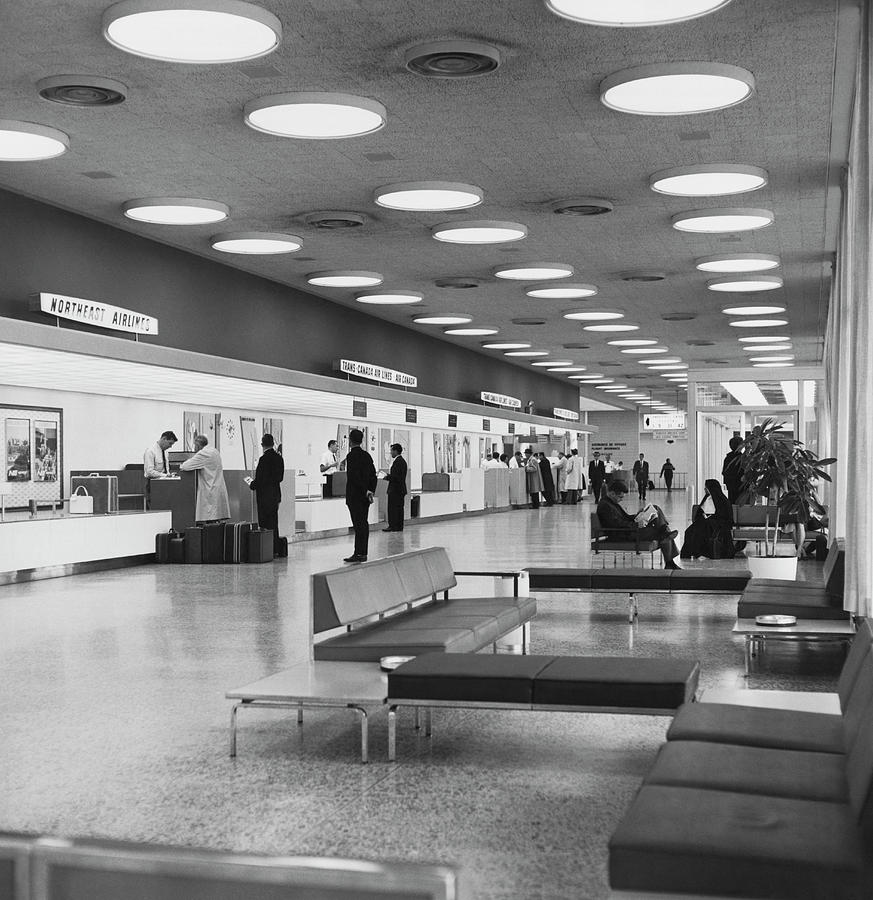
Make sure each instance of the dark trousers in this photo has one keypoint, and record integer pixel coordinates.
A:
(269, 518)
(395, 511)
(596, 488)
(327, 487)
(657, 530)
(668, 479)
(359, 510)
(535, 500)
(641, 489)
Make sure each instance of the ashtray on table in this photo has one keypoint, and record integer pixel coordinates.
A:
(390, 663)
(775, 620)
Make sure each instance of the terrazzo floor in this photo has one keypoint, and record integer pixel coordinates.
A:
(115, 721)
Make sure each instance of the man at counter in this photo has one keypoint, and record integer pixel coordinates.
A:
(212, 502)
(396, 488)
(155, 463)
(328, 466)
(267, 485)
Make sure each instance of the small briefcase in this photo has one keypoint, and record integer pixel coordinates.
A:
(259, 545)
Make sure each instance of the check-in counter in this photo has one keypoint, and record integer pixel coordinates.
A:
(517, 488)
(473, 488)
(315, 514)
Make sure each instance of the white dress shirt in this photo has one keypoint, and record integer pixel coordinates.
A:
(155, 462)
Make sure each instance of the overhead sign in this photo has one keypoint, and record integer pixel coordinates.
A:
(453, 420)
(664, 422)
(91, 312)
(359, 409)
(565, 414)
(411, 414)
(375, 373)
(500, 400)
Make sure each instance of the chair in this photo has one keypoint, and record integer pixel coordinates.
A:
(620, 542)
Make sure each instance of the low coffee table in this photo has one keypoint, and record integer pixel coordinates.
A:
(805, 630)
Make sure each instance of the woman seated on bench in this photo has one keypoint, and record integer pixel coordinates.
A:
(613, 518)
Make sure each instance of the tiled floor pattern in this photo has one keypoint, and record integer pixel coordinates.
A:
(115, 722)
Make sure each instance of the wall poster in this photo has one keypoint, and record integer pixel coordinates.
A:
(33, 455)
(18, 450)
(251, 441)
(45, 451)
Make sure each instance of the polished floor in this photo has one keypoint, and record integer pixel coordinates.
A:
(115, 721)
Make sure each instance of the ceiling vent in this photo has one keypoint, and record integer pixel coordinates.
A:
(610, 365)
(334, 219)
(581, 206)
(678, 317)
(98, 175)
(576, 346)
(452, 59)
(700, 342)
(642, 276)
(459, 283)
(527, 321)
(81, 90)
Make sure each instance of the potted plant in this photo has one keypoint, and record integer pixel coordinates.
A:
(781, 470)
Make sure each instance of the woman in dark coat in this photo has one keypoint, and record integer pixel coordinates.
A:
(721, 522)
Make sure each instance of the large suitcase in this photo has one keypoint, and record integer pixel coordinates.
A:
(194, 544)
(162, 546)
(213, 542)
(103, 488)
(177, 549)
(259, 545)
(235, 541)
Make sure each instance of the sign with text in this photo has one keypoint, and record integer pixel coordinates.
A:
(359, 409)
(486, 424)
(411, 414)
(565, 414)
(500, 400)
(453, 420)
(664, 422)
(91, 312)
(375, 373)
(511, 428)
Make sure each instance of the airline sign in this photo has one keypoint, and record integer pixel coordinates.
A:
(92, 312)
(375, 373)
(500, 400)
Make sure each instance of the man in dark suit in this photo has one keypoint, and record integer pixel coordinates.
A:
(613, 518)
(641, 475)
(360, 490)
(596, 475)
(731, 474)
(396, 489)
(267, 485)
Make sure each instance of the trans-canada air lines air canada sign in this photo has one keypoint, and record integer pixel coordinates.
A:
(92, 312)
(375, 373)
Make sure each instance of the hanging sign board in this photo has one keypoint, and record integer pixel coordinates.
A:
(411, 414)
(664, 422)
(92, 312)
(375, 373)
(500, 400)
(565, 414)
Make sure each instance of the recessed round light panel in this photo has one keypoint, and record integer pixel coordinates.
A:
(722, 221)
(676, 89)
(579, 378)
(477, 331)
(389, 298)
(428, 196)
(752, 309)
(535, 271)
(762, 339)
(561, 291)
(553, 362)
(613, 388)
(611, 326)
(596, 380)
(709, 180)
(506, 345)
(255, 242)
(771, 359)
(636, 396)
(568, 369)
(737, 262)
(27, 141)
(594, 315)
(192, 31)
(344, 279)
(760, 348)
(758, 323)
(592, 375)
(527, 353)
(315, 115)
(442, 319)
(775, 365)
(176, 211)
(81, 90)
(633, 342)
(483, 232)
(745, 284)
(642, 351)
(633, 13)
(656, 360)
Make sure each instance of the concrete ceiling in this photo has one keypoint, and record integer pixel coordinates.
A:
(529, 133)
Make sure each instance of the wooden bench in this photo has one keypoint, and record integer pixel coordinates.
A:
(629, 685)
(634, 581)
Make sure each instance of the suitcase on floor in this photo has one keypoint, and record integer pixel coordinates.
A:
(235, 541)
(259, 545)
(177, 550)
(103, 488)
(213, 542)
(162, 546)
(283, 547)
(194, 544)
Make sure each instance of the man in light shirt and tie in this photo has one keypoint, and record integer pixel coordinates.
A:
(155, 462)
(328, 466)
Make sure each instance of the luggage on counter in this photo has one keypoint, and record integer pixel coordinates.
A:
(213, 542)
(177, 549)
(259, 545)
(194, 544)
(162, 545)
(283, 547)
(103, 488)
(235, 541)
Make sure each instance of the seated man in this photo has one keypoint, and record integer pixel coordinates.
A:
(613, 518)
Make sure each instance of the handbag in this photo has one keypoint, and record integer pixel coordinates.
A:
(81, 502)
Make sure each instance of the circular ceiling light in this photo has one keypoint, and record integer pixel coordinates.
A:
(27, 141)
(636, 396)
(770, 359)
(722, 221)
(775, 365)
(666, 366)
(176, 211)
(616, 326)
(581, 206)
(638, 351)
(389, 298)
(613, 389)
(192, 31)
(482, 232)
(596, 380)
(708, 180)
(757, 323)
(478, 331)
(535, 271)
(442, 319)
(344, 279)
(315, 115)
(452, 59)
(527, 353)
(737, 262)
(255, 242)
(633, 13)
(579, 378)
(594, 315)
(745, 284)
(676, 89)
(554, 362)
(752, 309)
(568, 369)
(658, 360)
(759, 348)
(428, 196)
(81, 90)
(633, 342)
(762, 339)
(506, 345)
(561, 291)
(590, 375)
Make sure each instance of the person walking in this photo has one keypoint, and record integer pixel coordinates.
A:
(396, 478)
(212, 502)
(667, 474)
(360, 491)
(596, 475)
(641, 476)
(267, 485)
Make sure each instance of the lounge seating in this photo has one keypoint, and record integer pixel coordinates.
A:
(557, 683)
(757, 524)
(401, 606)
(752, 802)
(619, 541)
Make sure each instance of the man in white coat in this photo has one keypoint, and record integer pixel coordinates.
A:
(558, 462)
(573, 477)
(212, 502)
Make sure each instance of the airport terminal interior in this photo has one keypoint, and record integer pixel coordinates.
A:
(599, 230)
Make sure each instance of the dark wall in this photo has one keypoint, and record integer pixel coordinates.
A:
(208, 307)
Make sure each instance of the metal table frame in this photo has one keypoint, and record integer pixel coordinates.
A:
(812, 630)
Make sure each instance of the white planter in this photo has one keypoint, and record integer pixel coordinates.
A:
(782, 567)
